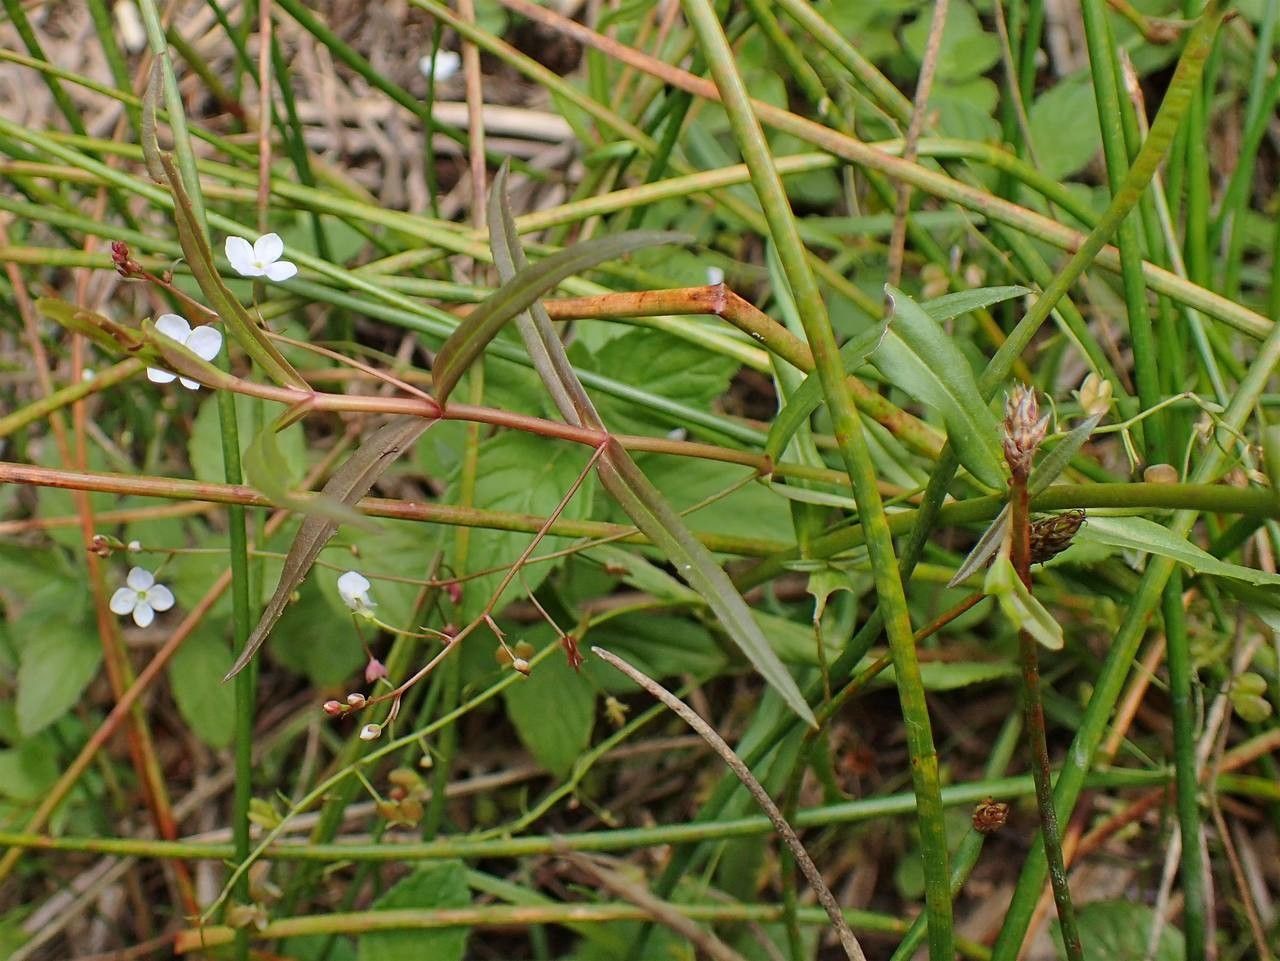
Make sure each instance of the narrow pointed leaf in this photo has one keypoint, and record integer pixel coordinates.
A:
(1056, 461)
(1020, 605)
(949, 306)
(266, 469)
(195, 249)
(347, 485)
(808, 396)
(626, 483)
(917, 356)
(982, 552)
(1148, 537)
(468, 342)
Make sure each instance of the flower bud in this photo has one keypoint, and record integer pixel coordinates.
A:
(1095, 395)
(357, 700)
(454, 590)
(334, 708)
(370, 732)
(125, 265)
(1024, 429)
(1160, 474)
(374, 671)
(521, 665)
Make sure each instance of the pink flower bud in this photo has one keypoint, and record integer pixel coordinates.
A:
(334, 708)
(454, 590)
(374, 671)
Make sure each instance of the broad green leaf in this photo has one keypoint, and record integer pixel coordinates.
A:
(441, 885)
(480, 326)
(59, 658)
(349, 483)
(29, 770)
(553, 711)
(1148, 537)
(204, 445)
(317, 639)
(624, 481)
(661, 645)
(1064, 126)
(195, 675)
(967, 48)
(660, 364)
(1119, 931)
(917, 356)
(1020, 605)
(523, 474)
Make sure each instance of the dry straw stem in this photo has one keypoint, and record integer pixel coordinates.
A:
(743, 773)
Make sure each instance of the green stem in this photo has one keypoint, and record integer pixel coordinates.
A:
(1186, 774)
(854, 453)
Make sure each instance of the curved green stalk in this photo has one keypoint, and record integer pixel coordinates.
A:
(849, 436)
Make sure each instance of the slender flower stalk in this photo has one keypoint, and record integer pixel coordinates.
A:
(1024, 429)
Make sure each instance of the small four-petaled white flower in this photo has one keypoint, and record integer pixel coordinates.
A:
(142, 598)
(261, 258)
(353, 588)
(204, 342)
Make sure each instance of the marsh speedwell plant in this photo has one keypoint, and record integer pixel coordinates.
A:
(740, 480)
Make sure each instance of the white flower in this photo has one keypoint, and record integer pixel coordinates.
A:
(440, 67)
(261, 258)
(142, 598)
(715, 276)
(204, 342)
(135, 547)
(370, 732)
(353, 588)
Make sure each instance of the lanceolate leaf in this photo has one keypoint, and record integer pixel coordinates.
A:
(1020, 605)
(950, 306)
(1140, 534)
(626, 483)
(347, 485)
(917, 356)
(528, 284)
(266, 469)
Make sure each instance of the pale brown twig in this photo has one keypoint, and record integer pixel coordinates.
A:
(810, 871)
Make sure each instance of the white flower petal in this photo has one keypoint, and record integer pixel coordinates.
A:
(143, 615)
(173, 327)
(158, 376)
(123, 601)
(140, 578)
(353, 588)
(442, 66)
(240, 253)
(281, 270)
(267, 249)
(160, 597)
(205, 342)
(188, 383)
